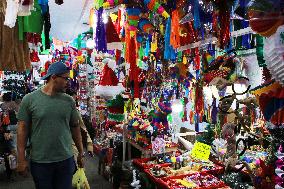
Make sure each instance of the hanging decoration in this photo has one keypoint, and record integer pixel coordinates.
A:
(108, 85)
(100, 38)
(156, 7)
(272, 106)
(175, 37)
(273, 54)
(262, 19)
(169, 53)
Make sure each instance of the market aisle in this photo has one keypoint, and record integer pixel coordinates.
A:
(96, 181)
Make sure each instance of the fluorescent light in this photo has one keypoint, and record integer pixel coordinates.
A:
(177, 106)
(90, 44)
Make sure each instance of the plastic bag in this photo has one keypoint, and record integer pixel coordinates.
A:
(79, 180)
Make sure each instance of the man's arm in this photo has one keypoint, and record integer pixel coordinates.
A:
(77, 138)
(22, 135)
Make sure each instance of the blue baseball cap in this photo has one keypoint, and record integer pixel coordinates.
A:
(56, 68)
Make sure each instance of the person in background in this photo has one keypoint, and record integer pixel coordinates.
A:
(9, 110)
(87, 141)
(49, 119)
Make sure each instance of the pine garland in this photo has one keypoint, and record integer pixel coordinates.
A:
(116, 117)
(117, 102)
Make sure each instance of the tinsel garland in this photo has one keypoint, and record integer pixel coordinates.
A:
(266, 75)
(169, 52)
(214, 111)
(147, 47)
(224, 17)
(234, 181)
(117, 102)
(134, 70)
(259, 51)
(15, 82)
(100, 38)
(196, 14)
(116, 117)
(199, 101)
(175, 37)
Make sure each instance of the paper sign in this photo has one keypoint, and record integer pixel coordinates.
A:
(201, 151)
(158, 146)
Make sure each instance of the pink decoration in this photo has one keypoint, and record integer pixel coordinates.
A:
(160, 10)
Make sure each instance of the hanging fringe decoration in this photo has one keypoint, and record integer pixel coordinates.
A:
(100, 38)
(169, 52)
(147, 48)
(145, 25)
(259, 51)
(175, 38)
(133, 18)
(156, 7)
(196, 14)
(224, 17)
(266, 76)
(154, 43)
(199, 102)
(197, 59)
(131, 58)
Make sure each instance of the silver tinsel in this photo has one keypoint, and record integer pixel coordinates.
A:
(206, 7)
(234, 181)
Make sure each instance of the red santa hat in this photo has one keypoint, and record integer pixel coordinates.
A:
(112, 37)
(109, 83)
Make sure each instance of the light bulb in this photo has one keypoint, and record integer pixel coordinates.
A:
(177, 106)
(90, 44)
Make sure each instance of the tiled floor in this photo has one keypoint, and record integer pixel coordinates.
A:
(91, 165)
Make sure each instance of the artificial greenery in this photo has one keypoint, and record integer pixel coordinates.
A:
(116, 102)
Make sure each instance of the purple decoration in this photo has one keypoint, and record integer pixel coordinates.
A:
(100, 37)
(214, 112)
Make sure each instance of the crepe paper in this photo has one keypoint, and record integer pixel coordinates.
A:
(187, 183)
(201, 151)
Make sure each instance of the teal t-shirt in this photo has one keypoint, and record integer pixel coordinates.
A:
(49, 119)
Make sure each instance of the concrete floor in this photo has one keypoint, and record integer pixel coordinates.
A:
(91, 168)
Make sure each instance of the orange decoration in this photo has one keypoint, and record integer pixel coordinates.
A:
(175, 37)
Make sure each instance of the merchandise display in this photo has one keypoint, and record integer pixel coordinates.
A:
(190, 93)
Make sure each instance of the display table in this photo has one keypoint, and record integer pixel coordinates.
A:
(147, 165)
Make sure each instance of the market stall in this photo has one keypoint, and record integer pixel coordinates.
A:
(177, 94)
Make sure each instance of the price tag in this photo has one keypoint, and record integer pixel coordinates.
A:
(201, 151)
(158, 146)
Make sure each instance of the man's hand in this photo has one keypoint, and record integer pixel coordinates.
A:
(23, 168)
(80, 161)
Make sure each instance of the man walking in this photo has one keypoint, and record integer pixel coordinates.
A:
(48, 117)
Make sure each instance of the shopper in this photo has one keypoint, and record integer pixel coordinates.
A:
(9, 109)
(48, 117)
(87, 141)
